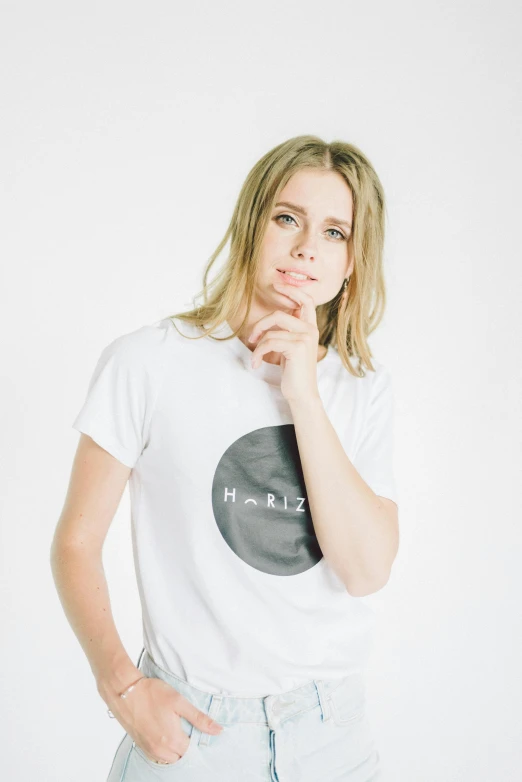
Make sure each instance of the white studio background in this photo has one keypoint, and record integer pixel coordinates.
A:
(127, 130)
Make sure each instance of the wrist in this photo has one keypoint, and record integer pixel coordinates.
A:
(308, 403)
(113, 682)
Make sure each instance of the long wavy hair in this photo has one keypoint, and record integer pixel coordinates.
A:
(347, 320)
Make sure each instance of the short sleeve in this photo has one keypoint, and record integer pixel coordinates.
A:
(375, 451)
(121, 395)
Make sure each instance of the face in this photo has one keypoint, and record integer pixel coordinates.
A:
(309, 231)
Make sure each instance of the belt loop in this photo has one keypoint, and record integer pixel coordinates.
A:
(323, 699)
(215, 704)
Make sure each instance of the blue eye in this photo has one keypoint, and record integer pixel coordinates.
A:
(341, 235)
(280, 216)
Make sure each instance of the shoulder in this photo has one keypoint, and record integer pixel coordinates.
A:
(381, 377)
(379, 374)
(152, 338)
(369, 383)
(379, 389)
(151, 344)
(142, 349)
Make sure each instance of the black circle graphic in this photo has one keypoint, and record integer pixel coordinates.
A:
(260, 504)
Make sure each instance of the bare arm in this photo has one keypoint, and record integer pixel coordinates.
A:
(357, 530)
(152, 715)
(95, 489)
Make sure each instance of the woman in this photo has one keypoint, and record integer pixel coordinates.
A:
(256, 434)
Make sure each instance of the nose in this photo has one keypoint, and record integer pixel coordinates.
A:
(307, 242)
(307, 248)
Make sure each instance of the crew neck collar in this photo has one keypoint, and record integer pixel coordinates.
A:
(270, 373)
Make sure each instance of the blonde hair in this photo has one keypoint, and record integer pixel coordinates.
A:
(344, 322)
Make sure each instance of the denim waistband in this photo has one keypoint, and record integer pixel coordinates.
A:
(269, 710)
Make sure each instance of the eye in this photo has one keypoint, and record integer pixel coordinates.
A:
(339, 238)
(290, 216)
(342, 236)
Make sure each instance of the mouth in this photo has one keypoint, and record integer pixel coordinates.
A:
(291, 280)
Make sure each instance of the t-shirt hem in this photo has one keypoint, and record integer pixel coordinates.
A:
(385, 491)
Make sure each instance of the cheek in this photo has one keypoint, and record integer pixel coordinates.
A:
(341, 261)
(273, 250)
(274, 240)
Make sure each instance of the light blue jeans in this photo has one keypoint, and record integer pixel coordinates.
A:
(318, 732)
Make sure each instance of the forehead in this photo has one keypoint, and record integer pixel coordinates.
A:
(320, 193)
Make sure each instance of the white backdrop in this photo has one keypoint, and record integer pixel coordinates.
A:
(126, 132)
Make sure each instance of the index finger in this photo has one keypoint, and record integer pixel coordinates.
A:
(198, 718)
(302, 299)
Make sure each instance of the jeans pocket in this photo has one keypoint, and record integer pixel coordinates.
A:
(120, 759)
(348, 700)
(191, 732)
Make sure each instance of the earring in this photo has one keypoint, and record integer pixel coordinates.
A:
(345, 284)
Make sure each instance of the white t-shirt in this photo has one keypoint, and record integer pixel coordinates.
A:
(236, 595)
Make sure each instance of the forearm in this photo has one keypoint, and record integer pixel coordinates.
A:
(83, 592)
(348, 517)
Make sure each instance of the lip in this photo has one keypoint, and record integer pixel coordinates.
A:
(291, 280)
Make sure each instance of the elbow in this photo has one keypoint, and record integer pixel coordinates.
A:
(365, 587)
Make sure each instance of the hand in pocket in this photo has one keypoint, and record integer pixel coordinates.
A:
(151, 715)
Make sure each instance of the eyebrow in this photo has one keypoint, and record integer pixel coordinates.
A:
(303, 211)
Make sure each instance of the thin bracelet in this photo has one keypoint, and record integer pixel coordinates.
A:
(126, 692)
